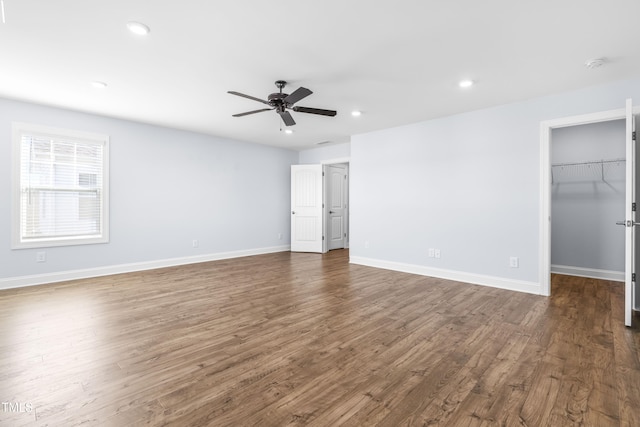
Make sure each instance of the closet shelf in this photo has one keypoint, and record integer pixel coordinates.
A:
(591, 169)
(593, 162)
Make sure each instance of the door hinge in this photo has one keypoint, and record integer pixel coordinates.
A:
(633, 135)
(633, 277)
(633, 206)
(322, 237)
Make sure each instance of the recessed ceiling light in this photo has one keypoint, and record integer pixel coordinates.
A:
(356, 113)
(98, 85)
(138, 28)
(465, 83)
(288, 131)
(594, 63)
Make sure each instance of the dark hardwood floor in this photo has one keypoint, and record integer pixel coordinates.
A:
(306, 339)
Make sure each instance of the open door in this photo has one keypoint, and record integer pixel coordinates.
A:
(630, 220)
(336, 206)
(306, 208)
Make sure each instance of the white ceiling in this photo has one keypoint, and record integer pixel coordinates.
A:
(398, 61)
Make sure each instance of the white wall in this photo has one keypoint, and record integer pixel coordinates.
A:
(467, 184)
(584, 206)
(168, 187)
(325, 153)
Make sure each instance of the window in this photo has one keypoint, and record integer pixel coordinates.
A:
(60, 188)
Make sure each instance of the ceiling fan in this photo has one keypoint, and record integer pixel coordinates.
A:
(281, 102)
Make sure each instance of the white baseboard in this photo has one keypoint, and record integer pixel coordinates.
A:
(592, 273)
(476, 279)
(62, 276)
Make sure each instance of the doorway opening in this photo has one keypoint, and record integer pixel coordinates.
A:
(546, 131)
(628, 114)
(336, 206)
(588, 172)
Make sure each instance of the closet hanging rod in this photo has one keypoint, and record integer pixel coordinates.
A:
(594, 162)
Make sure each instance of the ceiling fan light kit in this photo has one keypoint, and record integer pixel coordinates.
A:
(98, 84)
(281, 102)
(138, 28)
(594, 63)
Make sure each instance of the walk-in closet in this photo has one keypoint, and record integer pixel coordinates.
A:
(587, 199)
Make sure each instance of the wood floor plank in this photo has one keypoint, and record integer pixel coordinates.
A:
(307, 339)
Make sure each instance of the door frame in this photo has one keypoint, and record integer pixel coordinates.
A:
(326, 207)
(546, 127)
(337, 161)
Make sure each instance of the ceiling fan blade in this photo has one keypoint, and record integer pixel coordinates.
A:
(297, 95)
(319, 111)
(252, 112)
(247, 96)
(286, 118)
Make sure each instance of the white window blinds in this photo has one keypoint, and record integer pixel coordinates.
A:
(62, 191)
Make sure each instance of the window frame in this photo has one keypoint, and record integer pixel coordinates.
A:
(18, 129)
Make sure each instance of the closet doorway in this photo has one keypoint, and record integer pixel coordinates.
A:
(587, 199)
(628, 223)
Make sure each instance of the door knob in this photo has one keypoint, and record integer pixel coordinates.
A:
(293, 212)
(331, 212)
(627, 223)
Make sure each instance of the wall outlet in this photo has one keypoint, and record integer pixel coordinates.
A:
(195, 243)
(437, 253)
(41, 256)
(514, 262)
(432, 253)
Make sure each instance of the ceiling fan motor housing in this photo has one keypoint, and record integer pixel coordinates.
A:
(277, 97)
(276, 100)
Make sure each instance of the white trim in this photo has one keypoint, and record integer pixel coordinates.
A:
(545, 184)
(593, 273)
(458, 276)
(18, 128)
(62, 276)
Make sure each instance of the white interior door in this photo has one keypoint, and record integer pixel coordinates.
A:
(630, 220)
(336, 206)
(306, 208)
